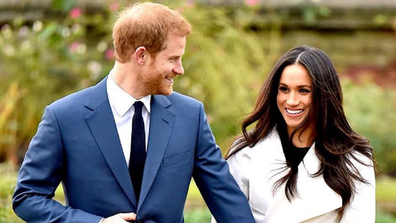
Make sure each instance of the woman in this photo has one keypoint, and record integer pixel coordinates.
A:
(300, 160)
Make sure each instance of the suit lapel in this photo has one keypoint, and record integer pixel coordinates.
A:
(104, 130)
(161, 123)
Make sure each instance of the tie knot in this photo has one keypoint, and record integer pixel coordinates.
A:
(138, 106)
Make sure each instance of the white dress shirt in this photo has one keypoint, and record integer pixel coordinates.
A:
(121, 104)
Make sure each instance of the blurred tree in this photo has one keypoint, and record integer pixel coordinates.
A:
(225, 63)
(45, 61)
(371, 112)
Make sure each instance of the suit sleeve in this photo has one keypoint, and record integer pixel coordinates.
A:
(40, 175)
(362, 206)
(219, 189)
(240, 168)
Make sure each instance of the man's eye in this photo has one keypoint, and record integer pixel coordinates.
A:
(173, 59)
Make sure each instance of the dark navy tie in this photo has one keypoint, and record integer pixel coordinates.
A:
(138, 149)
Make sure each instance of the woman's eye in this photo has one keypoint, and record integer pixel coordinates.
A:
(305, 91)
(282, 88)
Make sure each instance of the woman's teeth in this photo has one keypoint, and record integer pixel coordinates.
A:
(294, 112)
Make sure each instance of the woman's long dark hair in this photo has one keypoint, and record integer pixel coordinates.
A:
(335, 141)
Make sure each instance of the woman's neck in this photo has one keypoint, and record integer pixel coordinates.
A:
(304, 139)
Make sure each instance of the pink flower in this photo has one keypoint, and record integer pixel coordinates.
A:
(109, 54)
(252, 2)
(73, 47)
(114, 6)
(75, 13)
(190, 3)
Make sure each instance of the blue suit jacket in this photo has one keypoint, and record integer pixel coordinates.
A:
(77, 144)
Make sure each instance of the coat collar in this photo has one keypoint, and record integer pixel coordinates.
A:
(314, 198)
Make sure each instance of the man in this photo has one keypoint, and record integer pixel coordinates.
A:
(84, 140)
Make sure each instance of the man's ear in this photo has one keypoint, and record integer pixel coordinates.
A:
(140, 55)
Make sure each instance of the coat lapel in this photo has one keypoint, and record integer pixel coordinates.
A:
(315, 195)
(314, 198)
(161, 123)
(104, 130)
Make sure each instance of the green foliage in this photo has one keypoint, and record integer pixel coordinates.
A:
(225, 66)
(313, 13)
(385, 188)
(7, 184)
(383, 217)
(7, 215)
(370, 110)
(41, 63)
(63, 6)
(197, 215)
(8, 179)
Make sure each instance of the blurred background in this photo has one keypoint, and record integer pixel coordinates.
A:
(50, 48)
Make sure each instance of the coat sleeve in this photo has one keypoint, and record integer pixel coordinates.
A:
(219, 189)
(40, 175)
(362, 206)
(240, 169)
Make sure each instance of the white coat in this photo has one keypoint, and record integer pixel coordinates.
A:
(255, 170)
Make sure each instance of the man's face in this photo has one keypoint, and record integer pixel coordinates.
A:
(165, 66)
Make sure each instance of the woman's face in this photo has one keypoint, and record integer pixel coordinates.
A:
(294, 97)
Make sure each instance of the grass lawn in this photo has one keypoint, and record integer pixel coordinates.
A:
(195, 211)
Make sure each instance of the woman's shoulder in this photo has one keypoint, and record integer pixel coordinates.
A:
(242, 154)
(358, 159)
(265, 145)
(363, 165)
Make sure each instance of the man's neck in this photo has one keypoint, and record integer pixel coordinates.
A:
(125, 78)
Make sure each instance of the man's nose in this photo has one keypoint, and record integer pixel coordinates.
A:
(179, 69)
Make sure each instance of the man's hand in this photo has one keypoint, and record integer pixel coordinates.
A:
(120, 218)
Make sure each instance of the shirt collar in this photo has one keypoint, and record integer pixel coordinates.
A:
(121, 100)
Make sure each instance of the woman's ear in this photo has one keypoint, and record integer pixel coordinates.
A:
(140, 55)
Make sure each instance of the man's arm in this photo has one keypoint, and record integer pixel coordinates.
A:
(219, 189)
(40, 175)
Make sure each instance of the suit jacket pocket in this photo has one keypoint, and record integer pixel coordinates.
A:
(178, 159)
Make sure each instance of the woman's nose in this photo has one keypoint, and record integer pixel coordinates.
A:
(292, 99)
